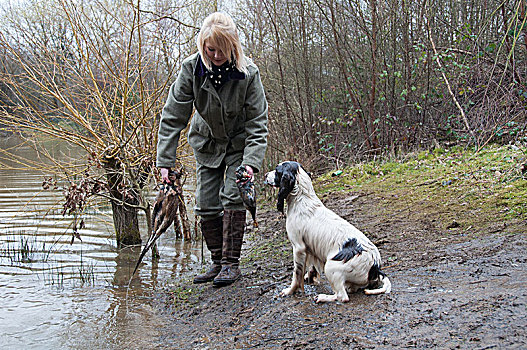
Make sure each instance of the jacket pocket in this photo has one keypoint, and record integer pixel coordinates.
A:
(238, 141)
(235, 125)
(200, 136)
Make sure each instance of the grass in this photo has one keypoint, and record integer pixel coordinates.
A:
(276, 247)
(57, 276)
(186, 293)
(182, 293)
(487, 187)
(22, 249)
(27, 246)
(86, 272)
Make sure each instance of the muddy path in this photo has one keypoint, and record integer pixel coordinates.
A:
(452, 288)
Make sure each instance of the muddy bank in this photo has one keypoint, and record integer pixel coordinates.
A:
(452, 288)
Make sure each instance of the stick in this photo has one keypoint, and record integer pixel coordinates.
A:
(465, 120)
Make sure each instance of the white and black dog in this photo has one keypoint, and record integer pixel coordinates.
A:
(323, 239)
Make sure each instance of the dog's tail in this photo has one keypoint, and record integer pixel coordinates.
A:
(376, 278)
(385, 289)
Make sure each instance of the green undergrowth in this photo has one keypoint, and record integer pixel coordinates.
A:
(184, 292)
(274, 247)
(474, 190)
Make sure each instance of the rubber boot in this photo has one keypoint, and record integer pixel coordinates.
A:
(233, 231)
(212, 231)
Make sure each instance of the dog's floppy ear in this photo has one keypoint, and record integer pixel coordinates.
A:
(287, 183)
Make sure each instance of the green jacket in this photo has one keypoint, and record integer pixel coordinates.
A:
(228, 124)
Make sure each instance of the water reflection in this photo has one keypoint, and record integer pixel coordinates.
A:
(60, 295)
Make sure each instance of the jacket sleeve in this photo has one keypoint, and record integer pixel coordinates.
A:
(175, 116)
(255, 124)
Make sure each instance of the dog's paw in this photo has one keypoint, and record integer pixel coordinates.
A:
(321, 298)
(325, 298)
(287, 291)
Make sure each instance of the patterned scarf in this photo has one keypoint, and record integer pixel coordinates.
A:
(221, 74)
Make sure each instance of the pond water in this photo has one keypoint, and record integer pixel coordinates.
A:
(61, 295)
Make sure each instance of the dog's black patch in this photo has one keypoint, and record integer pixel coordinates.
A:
(285, 176)
(350, 248)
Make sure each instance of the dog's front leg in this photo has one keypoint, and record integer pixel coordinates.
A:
(299, 256)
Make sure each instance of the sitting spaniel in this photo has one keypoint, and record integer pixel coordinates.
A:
(321, 238)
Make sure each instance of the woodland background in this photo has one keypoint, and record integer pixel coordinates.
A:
(346, 80)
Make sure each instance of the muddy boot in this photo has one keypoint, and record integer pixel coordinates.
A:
(233, 230)
(212, 231)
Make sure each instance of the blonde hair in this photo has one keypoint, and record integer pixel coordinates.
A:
(219, 30)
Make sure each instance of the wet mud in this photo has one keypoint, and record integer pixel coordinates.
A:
(452, 288)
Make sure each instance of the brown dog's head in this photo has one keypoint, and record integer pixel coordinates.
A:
(283, 177)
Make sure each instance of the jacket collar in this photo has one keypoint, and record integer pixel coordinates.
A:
(201, 71)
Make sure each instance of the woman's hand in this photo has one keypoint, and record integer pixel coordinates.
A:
(164, 174)
(250, 171)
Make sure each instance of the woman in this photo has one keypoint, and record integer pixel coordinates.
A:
(229, 128)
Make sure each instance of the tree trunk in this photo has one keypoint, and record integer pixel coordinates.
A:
(522, 20)
(126, 225)
(373, 91)
(124, 205)
(347, 77)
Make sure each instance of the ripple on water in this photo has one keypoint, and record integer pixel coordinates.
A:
(60, 295)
